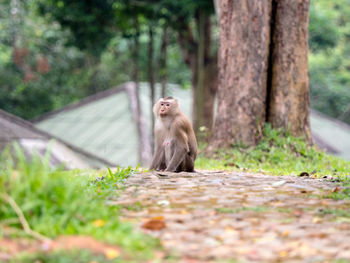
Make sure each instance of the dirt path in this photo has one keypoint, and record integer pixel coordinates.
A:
(212, 216)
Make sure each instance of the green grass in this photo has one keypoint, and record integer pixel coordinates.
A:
(62, 257)
(278, 153)
(225, 210)
(58, 202)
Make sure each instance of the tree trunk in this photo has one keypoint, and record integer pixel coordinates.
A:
(151, 75)
(197, 55)
(217, 8)
(289, 96)
(163, 61)
(243, 53)
(198, 99)
(145, 149)
(263, 70)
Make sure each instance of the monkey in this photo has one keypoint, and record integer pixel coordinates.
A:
(175, 141)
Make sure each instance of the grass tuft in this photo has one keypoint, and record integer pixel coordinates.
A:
(278, 153)
(57, 202)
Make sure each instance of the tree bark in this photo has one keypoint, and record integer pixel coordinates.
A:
(144, 150)
(263, 70)
(243, 53)
(198, 109)
(289, 95)
(151, 76)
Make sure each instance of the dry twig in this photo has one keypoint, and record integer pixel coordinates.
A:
(22, 219)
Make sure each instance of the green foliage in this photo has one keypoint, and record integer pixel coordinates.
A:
(91, 22)
(329, 80)
(75, 71)
(278, 153)
(57, 202)
(38, 73)
(329, 61)
(323, 30)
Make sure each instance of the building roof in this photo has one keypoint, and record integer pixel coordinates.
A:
(332, 132)
(104, 124)
(32, 139)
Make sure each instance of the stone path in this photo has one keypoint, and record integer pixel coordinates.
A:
(214, 216)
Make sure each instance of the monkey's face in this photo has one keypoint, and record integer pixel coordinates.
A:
(166, 106)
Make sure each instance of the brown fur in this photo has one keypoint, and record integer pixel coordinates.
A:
(175, 141)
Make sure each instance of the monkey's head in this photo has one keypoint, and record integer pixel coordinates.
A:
(166, 107)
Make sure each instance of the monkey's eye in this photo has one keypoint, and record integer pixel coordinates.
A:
(168, 105)
(162, 104)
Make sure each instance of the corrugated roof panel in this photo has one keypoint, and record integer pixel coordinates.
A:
(333, 132)
(103, 127)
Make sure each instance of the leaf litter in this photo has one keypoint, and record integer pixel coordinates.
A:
(217, 216)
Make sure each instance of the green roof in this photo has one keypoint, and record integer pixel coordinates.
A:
(103, 127)
(35, 141)
(331, 132)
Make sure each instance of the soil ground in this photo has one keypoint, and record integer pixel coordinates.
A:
(222, 216)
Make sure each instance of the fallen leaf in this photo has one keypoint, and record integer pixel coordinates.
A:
(156, 223)
(317, 235)
(285, 233)
(230, 230)
(336, 189)
(279, 183)
(163, 202)
(316, 220)
(111, 253)
(98, 223)
(298, 212)
(232, 164)
(283, 254)
(158, 218)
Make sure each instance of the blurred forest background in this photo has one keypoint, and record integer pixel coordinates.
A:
(55, 52)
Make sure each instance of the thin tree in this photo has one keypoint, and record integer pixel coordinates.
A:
(163, 61)
(151, 75)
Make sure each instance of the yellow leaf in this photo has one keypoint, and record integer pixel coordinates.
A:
(212, 222)
(316, 220)
(98, 223)
(283, 254)
(230, 230)
(93, 261)
(285, 233)
(111, 253)
(161, 218)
